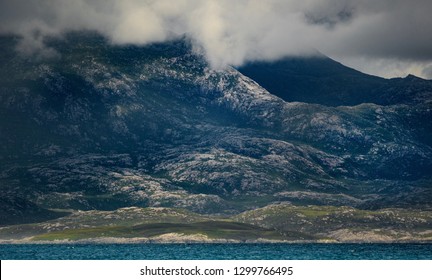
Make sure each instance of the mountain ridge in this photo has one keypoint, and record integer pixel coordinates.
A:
(322, 80)
(105, 127)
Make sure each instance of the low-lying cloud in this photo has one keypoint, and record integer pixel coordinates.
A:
(393, 32)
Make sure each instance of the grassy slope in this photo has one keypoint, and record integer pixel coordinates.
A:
(211, 229)
(344, 223)
(275, 222)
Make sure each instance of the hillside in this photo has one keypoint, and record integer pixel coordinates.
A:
(321, 80)
(100, 127)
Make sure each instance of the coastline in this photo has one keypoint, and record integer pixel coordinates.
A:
(200, 239)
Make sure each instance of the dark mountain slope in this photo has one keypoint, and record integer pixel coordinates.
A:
(322, 80)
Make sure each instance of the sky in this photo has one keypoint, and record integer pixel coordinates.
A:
(388, 38)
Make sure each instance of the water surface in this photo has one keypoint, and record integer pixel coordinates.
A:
(216, 252)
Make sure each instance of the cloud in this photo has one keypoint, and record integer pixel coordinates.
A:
(232, 32)
(427, 71)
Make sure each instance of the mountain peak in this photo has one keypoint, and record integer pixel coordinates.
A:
(412, 77)
(327, 82)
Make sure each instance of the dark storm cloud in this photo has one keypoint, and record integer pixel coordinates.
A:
(231, 32)
(400, 29)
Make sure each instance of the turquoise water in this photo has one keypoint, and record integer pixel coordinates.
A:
(217, 252)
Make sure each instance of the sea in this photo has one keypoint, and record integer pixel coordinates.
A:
(216, 252)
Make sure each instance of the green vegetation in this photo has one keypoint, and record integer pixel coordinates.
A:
(211, 229)
(279, 222)
(343, 223)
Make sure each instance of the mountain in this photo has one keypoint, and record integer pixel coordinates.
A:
(324, 81)
(99, 128)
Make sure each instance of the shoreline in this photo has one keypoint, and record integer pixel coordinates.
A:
(188, 240)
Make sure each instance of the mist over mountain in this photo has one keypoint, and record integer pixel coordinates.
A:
(385, 37)
(101, 127)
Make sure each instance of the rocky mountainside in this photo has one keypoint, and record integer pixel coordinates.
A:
(99, 127)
